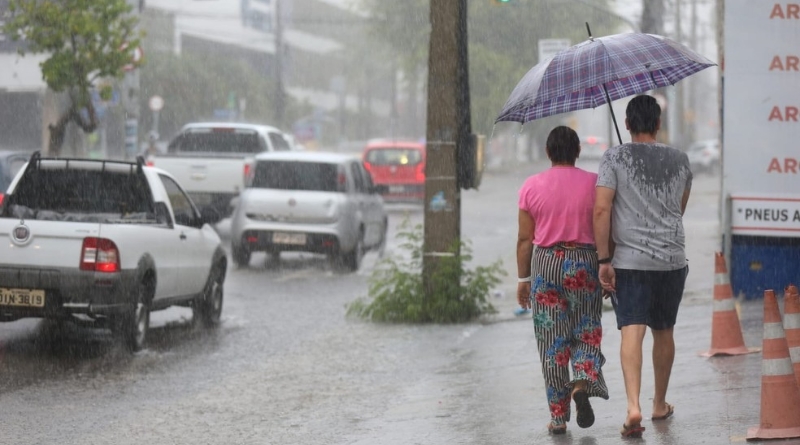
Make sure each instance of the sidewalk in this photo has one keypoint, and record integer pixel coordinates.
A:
(716, 399)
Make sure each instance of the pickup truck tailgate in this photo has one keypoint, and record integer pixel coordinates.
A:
(46, 244)
(205, 174)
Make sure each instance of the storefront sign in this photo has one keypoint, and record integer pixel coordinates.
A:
(765, 216)
(761, 148)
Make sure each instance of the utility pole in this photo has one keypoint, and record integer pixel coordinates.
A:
(448, 131)
(130, 100)
(652, 17)
(280, 95)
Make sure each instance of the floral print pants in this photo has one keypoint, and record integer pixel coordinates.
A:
(567, 306)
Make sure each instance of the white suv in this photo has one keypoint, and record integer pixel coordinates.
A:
(309, 201)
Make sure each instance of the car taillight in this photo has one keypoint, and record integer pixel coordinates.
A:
(2, 196)
(150, 163)
(420, 173)
(99, 255)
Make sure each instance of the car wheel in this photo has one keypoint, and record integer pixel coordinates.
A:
(241, 256)
(382, 245)
(352, 260)
(134, 325)
(208, 309)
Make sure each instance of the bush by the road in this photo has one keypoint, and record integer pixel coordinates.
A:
(397, 294)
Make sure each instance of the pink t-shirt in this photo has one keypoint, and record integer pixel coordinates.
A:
(560, 200)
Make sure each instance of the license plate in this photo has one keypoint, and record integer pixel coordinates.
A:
(21, 297)
(396, 189)
(289, 238)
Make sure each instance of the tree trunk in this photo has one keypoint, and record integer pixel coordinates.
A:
(59, 130)
(653, 23)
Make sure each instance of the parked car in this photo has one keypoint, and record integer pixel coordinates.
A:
(212, 159)
(10, 163)
(109, 242)
(309, 201)
(704, 156)
(593, 147)
(398, 165)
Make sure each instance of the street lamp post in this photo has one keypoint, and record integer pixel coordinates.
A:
(280, 95)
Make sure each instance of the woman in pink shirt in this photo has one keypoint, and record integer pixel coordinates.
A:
(558, 280)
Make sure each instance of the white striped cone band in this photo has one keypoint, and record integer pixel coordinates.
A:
(773, 331)
(791, 321)
(721, 278)
(724, 305)
(794, 353)
(774, 367)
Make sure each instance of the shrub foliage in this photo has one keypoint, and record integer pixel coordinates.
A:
(397, 295)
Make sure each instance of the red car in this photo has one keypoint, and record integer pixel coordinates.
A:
(400, 166)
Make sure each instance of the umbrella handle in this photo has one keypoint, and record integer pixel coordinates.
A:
(610, 108)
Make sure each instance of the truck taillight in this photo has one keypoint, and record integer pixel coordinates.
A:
(99, 255)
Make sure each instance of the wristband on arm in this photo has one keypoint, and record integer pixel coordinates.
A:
(606, 260)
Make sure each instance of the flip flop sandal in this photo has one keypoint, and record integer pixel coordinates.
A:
(553, 429)
(585, 417)
(670, 412)
(633, 431)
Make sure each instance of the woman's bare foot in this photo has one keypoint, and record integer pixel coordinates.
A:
(634, 418)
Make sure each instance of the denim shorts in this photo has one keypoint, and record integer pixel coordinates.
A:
(649, 297)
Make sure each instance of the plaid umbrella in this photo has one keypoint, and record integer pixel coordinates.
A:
(598, 71)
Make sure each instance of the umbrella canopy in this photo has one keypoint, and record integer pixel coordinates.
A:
(600, 70)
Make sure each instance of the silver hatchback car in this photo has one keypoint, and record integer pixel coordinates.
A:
(312, 202)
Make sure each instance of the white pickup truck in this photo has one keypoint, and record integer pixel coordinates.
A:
(212, 160)
(106, 242)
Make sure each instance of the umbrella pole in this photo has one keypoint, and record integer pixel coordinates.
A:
(613, 117)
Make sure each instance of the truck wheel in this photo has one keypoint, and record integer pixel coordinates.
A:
(133, 326)
(382, 245)
(241, 257)
(208, 309)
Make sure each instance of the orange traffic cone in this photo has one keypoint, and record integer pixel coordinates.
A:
(791, 324)
(726, 332)
(780, 396)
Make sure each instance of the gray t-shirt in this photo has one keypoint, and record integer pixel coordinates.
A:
(646, 220)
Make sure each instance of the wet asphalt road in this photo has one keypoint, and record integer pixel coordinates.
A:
(285, 366)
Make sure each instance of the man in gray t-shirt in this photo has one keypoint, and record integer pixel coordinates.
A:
(641, 194)
(647, 212)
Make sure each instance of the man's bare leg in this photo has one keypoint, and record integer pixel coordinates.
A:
(663, 356)
(631, 357)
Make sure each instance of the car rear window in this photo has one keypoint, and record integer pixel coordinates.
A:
(217, 141)
(394, 156)
(288, 175)
(74, 194)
